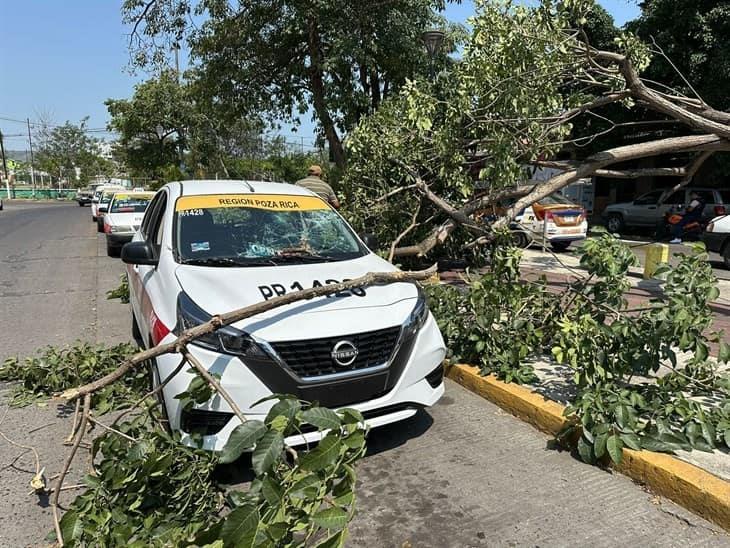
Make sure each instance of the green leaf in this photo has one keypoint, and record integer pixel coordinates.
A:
(272, 491)
(335, 541)
(599, 445)
(323, 455)
(632, 441)
(585, 451)
(322, 418)
(243, 438)
(724, 353)
(71, 527)
(726, 435)
(330, 518)
(614, 446)
(240, 526)
(708, 432)
(267, 452)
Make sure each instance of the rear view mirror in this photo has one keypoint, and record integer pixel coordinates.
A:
(370, 240)
(139, 253)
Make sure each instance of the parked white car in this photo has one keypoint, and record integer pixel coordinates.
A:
(717, 237)
(208, 247)
(123, 219)
(97, 200)
(554, 219)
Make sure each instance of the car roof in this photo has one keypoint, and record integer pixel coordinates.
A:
(203, 187)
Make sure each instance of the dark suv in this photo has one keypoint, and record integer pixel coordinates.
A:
(649, 209)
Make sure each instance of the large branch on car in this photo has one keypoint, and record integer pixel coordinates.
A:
(221, 320)
(588, 168)
(689, 143)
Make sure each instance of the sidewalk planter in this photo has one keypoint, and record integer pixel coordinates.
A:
(689, 486)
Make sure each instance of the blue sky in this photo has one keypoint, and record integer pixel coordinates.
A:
(64, 58)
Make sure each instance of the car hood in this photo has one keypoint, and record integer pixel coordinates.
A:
(219, 290)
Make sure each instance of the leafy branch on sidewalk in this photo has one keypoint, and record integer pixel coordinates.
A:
(643, 380)
(146, 488)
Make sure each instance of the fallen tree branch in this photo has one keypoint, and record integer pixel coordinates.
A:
(62, 476)
(373, 278)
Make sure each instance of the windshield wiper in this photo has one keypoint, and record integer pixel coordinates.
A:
(303, 258)
(228, 261)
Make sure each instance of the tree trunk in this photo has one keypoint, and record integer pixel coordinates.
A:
(316, 81)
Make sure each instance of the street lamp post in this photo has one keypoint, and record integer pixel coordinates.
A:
(433, 39)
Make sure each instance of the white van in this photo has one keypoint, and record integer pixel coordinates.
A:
(96, 199)
(209, 247)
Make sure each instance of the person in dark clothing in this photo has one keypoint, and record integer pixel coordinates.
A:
(692, 214)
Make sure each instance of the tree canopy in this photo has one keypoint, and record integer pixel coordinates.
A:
(342, 58)
(68, 151)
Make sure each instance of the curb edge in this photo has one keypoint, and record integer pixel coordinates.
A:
(689, 486)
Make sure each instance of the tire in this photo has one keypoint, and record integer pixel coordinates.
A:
(560, 246)
(113, 250)
(615, 223)
(93, 219)
(726, 255)
(99, 225)
(520, 239)
(81, 204)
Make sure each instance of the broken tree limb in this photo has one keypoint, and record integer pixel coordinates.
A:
(373, 278)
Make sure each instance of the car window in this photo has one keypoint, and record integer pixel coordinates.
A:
(130, 203)
(707, 196)
(157, 223)
(150, 214)
(725, 196)
(555, 199)
(263, 229)
(650, 198)
(676, 198)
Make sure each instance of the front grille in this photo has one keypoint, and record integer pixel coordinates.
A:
(200, 421)
(312, 357)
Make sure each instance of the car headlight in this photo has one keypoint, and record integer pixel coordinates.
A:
(419, 314)
(121, 228)
(227, 340)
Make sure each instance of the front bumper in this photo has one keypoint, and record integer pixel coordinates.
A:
(409, 392)
(118, 240)
(714, 240)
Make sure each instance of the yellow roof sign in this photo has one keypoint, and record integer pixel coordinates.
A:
(274, 202)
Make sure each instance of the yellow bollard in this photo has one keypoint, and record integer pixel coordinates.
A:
(656, 254)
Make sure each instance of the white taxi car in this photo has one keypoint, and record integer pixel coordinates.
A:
(554, 219)
(208, 247)
(96, 200)
(123, 218)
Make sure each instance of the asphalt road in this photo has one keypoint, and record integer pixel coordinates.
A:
(462, 474)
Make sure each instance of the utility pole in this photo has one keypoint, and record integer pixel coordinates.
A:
(5, 165)
(32, 169)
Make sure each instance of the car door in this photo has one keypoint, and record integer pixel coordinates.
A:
(145, 277)
(643, 210)
(675, 201)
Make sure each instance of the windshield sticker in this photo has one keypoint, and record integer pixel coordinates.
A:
(274, 202)
(277, 290)
(199, 246)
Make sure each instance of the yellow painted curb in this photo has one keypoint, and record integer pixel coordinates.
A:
(697, 490)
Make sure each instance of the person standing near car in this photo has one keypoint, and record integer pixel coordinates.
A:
(313, 181)
(692, 214)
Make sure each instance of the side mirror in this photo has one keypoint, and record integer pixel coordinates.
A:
(103, 209)
(139, 253)
(370, 240)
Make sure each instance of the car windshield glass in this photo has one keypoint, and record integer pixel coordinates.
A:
(106, 196)
(554, 199)
(258, 230)
(130, 203)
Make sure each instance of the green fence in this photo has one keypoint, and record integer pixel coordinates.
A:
(38, 194)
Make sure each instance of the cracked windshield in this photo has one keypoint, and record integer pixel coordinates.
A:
(261, 230)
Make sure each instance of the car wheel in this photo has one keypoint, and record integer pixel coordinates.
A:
(99, 225)
(112, 250)
(520, 239)
(93, 219)
(615, 223)
(560, 246)
(726, 255)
